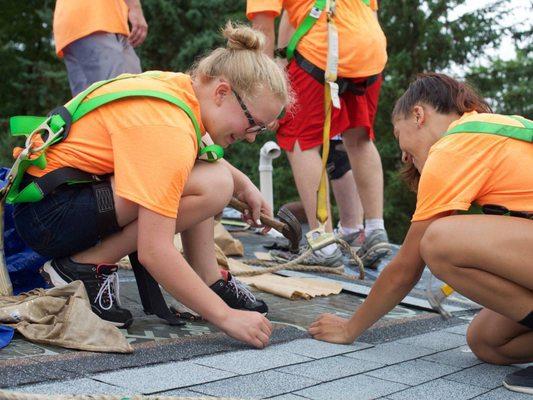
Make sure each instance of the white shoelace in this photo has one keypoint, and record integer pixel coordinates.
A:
(241, 288)
(109, 288)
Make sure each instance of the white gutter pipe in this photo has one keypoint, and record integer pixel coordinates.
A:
(268, 152)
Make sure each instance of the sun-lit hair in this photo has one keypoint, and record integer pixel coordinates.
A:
(244, 65)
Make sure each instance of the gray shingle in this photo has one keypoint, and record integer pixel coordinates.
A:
(319, 349)
(484, 375)
(413, 372)
(391, 353)
(436, 340)
(259, 385)
(439, 389)
(503, 394)
(287, 397)
(331, 368)
(352, 388)
(459, 357)
(249, 361)
(162, 377)
(458, 329)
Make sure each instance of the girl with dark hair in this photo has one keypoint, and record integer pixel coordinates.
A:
(462, 154)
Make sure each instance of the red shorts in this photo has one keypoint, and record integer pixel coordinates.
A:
(305, 121)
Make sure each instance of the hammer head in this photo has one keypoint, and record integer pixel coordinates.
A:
(292, 229)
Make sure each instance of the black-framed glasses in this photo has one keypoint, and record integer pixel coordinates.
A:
(254, 126)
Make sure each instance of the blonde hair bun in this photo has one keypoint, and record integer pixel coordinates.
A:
(243, 37)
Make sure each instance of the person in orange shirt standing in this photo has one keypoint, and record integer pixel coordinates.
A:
(459, 153)
(362, 57)
(153, 182)
(95, 41)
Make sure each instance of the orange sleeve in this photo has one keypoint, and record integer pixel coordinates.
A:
(449, 182)
(253, 7)
(153, 163)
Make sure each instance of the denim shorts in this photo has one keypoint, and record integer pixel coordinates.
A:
(62, 224)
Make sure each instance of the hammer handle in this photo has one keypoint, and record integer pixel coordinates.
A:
(266, 220)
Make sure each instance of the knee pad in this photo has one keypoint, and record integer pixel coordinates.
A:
(338, 163)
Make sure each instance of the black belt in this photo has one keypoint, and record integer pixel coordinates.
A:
(358, 88)
(495, 209)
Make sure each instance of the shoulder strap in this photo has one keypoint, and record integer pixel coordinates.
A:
(524, 132)
(78, 108)
(305, 26)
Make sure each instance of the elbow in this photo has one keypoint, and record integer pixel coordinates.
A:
(401, 276)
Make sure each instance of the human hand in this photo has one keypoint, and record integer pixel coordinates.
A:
(331, 328)
(247, 326)
(251, 195)
(139, 27)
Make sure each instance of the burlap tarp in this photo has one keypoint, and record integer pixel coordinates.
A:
(63, 317)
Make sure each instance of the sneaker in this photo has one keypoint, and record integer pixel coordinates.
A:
(375, 247)
(237, 295)
(520, 381)
(354, 239)
(316, 257)
(101, 284)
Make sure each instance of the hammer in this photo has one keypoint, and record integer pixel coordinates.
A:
(288, 225)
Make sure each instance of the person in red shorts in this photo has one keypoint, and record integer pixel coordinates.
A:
(362, 57)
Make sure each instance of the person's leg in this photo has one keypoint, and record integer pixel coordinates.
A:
(207, 191)
(306, 168)
(76, 77)
(348, 201)
(367, 170)
(496, 339)
(487, 259)
(131, 63)
(101, 56)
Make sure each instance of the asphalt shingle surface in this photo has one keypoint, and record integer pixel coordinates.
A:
(413, 372)
(439, 389)
(259, 385)
(460, 357)
(317, 349)
(331, 368)
(391, 353)
(352, 388)
(483, 375)
(249, 361)
(439, 340)
(162, 377)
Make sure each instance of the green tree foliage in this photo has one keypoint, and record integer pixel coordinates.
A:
(422, 36)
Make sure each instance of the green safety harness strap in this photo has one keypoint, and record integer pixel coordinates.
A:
(525, 132)
(57, 125)
(305, 26)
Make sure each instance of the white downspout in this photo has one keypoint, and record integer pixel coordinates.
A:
(268, 152)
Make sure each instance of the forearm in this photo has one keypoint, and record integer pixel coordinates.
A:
(386, 293)
(264, 23)
(171, 270)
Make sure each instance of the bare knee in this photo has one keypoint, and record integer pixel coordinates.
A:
(356, 138)
(479, 343)
(212, 181)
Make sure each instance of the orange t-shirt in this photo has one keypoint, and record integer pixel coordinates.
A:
(464, 168)
(362, 43)
(74, 19)
(150, 145)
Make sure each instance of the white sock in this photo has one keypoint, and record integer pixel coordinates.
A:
(372, 224)
(328, 250)
(346, 231)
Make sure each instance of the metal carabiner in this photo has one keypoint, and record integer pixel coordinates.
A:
(50, 139)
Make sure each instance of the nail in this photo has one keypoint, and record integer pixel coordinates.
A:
(258, 221)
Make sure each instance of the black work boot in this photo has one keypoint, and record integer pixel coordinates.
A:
(237, 295)
(101, 284)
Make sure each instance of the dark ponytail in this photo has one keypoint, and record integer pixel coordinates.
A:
(446, 96)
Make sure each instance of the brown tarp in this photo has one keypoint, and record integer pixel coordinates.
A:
(61, 316)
